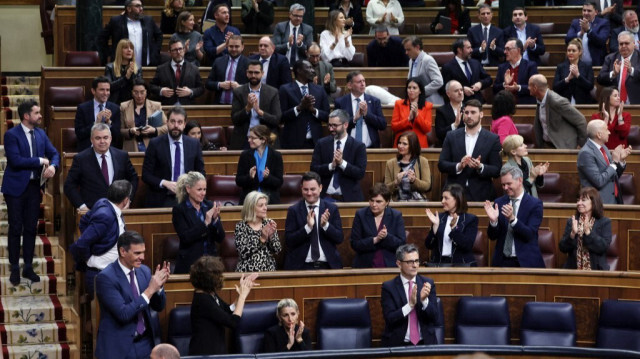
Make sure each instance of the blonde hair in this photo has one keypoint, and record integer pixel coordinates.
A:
(168, 9)
(511, 143)
(117, 62)
(286, 303)
(248, 212)
(188, 179)
(331, 21)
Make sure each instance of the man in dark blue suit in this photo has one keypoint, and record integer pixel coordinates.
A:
(514, 74)
(365, 111)
(304, 107)
(514, 220)
(409, 303)
(340, 161)
(100, 228)
(28, 151)
(528, 34)
(97, 110)
(167, 157)
(127, 292)
(313, 229)
(88, 179)
(486, 39)
(385, 50)
(591, 30)
(223, 79)
(275, 67)
(467, 71)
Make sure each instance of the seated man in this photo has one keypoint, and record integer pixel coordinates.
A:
(228, 72)
(164, 350)
(593, 31)
(177, 82)
(275, 67)
(449, 116)
(97, 110)
(513, 75)
(409, 303)
(528, 34)
(385, 50)
(217, 36)
(324, 70)
(467, 71)
(487, 40)
(292, 38)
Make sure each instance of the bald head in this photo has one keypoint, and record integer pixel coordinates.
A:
(538, 86)
(165, 351)
(593, 127)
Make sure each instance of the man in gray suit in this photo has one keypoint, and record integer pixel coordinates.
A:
(292, 38)
(557, 124)
(253, 104)
(600, 168)
(424, 67)
(622, 69)
(324, 70)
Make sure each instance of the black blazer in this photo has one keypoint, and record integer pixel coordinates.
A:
(276, 339)
(85, 119)
(294, 130)
(444, 118)
(270, 185)
(85, 183)
(597, 242)
(463, 236)
(364, 229)
(166, 77)
(452, 71)
(209, 318)
(525, 71)
(193, 234)
(355, 12)
(117, 30)
(533, 31)
(476, 37)
(578, 88)
(464, 21)
(218, 74)
(279, 72)
(269, 104)
(120, 86)
(374, 119)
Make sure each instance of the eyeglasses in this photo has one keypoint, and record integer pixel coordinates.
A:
(334, 125)
(414, 261)
(297, 16)
(178, 50)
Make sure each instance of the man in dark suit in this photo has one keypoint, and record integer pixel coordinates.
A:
(275, 67)
(146, 38)
(304, 107)
(167, 157)
(313, 229)
(177, 82)
(324, 70)
(100, 227)
(592, 30)
(528, 34)
(98, 110)
(385, 50)
(631, 25)
(228, 72)
(409, 303)
(257, 16)
(449, 116)
(611, 10)
(340, 161)
(127, 291)
(467, 71)
(292, 38)
(94, 169)
(486, 40)
(254, 104)
(365, 111)
(514, 220)
(470, 156)
(514, 74)
(622, 70)
(28, 151)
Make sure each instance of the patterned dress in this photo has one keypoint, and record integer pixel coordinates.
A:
(255, 256)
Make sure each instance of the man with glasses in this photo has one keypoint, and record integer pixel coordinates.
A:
(292, 38)
(409, 303)
(622, 70)
(513, 75)
(324, 70)
(177, 82)
(630, 24)
(385, 50)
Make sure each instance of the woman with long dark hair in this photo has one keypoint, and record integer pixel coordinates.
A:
(408, 175)
(413, 113)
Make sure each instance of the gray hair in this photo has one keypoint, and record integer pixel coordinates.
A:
(119, 190)
(405, 249)
(100, 126)
(248, 212)
(514, 171)
(188, 179)
(341, 114)
(446, 87)
(296, 7)
(626, 33)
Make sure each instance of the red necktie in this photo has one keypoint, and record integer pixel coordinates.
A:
(414, 331)
(623, 86)
(615, 183)
(178, 73)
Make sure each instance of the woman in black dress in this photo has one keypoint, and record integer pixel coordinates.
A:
(290, 334)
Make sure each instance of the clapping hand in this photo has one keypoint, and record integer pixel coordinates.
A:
(492, 211)
(212, 214)
(325, 218)
(382, 234)
(434, 219)
(540, 169)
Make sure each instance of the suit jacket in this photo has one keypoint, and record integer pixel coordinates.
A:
(100, 232)
(257, 22)
(166, 77)
(566, 126)
(392, 55)
(578, 88)
(463, 236)
(355, 153)
(595, 172)
(525, 232)
(322, 69)
(597, 36)
(613, 39)
(374, 119)
(476, 36)
(525, 71)
(615, 17)
(119, 310)
(364, 230)
(120, 86)
(158, 162)
(532, 31)
(269, 103)
(270, 185)
(452, 71)
(211, 316)
(478, 185)
(444, 118)
(193, 234)
(299, 241)
(281, 38)
(295, 127)
(20, 164)
(279, 72)
(117, 30)
(218, 74)
(85, 183)
(632, 83)
(426, 69)
(85, 119)
(597, 243)
(127, 112)
(276, 340)
(393, 298)
(422, 183)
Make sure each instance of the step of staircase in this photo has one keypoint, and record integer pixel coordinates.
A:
(9, 101)
(20, 80)
(48, 284)
(41, 351)
(37, 333)
(33, 309)
(13, 90)
(41, 265)
(45, 247)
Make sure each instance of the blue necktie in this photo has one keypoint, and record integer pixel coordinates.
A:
(294, 48)
(359, 122)
(411, 70)
(336, 178)
(305, 93)
(466, 71)
(34, 153)
(176, 162)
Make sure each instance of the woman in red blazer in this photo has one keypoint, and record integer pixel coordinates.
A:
(413, 113)
(618, 122)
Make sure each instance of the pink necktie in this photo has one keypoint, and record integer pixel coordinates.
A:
(414, 333)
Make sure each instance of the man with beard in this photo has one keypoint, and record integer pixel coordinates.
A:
(467, 71)
(216, 38)
(275, 67)
(254, 104)
(385, 50)
(177, 82)
(513, 75)
(228, 72)
(340, 160)
(184, 154)
(97, 110)
(324, 70)
(631, 25)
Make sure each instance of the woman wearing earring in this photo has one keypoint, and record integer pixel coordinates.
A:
(289, 334)
(618, 122)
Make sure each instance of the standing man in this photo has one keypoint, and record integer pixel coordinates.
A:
(274, 66)
(557, 124)
(30, 155)
(165, 351)
(600, 167)
(622, 69)
(254, 104)
(292, 38)
(257, 16)
(385, 50)
(423, 66)
(593, 31)
(95, 169)
(228, 72)
(514, 74)
(528, 34)
(97, 110)
(126, 293)
(168, 157)
(177, 82)
(324, 70)
(313, 229)
(217, 36)
(409, 303)
(514, 220)
(486, 40)
(449, 116)
(611, 10)
(467, 71)
(340, 161)
(470, 156)
(365, 111)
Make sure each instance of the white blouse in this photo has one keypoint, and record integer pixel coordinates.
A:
(340, 51)
(375, 10)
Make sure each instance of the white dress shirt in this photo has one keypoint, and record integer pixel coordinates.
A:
(366, 139)
(406, 309)
(316, 210)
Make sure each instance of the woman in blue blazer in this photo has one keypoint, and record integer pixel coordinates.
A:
(574, 78)
(453, 232)
(377, 231)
